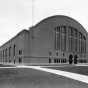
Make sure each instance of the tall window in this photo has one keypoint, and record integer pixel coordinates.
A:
(73, 39)
(0, 54)
(63, 38)
(3, 55)
(84, 44)
(9, 51)
(80, 42)
(60, 38)
(14, 49)
(57, 38)
(6, 54)
(81, 48)
(76, 40)
(70, 38)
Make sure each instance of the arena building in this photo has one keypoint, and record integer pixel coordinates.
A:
(55, 40)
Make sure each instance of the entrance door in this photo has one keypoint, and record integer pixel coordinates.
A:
(20, 60)
(70, 59)
(49, 60)
(75, 59)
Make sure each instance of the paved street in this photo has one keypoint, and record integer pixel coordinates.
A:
(75, 69)
(31, 78)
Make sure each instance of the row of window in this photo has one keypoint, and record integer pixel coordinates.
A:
(56, 60)
(8, 52)
(63, 60)
(60, 60)
(82, 61)
(71, 31)
(68, 38)
(13, 61)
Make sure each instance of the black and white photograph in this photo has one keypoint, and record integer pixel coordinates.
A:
(43, 44)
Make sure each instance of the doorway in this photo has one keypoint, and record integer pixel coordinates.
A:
(75, 59)
(49, 60)
(70, 59)
(20, 60)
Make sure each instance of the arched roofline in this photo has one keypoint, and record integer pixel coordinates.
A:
(59, 16)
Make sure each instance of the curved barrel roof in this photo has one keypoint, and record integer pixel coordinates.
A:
(61, 20)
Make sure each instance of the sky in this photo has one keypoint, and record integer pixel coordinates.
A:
(16, 15)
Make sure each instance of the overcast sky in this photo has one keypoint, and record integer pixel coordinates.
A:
(16, 15)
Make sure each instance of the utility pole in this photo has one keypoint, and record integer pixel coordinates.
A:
(32, 12)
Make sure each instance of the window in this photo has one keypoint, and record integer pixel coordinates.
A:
(9, 51)
(0, 54)
(73, 39)
(6, 54)
(70, 42)
(3, 55)
(70, 38)
(49, 60)
(76, 44)
(63, 29)
(63, 37)
(76, 40)
(54, 60)
(79, 42)
(20, 60)
(63, 42)
(70, 31)
(58, 60)
(20, 52)
(60, 37)
(14, 50)
(84, 44)
(75, 32)
(56, 53)
(57, 38)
